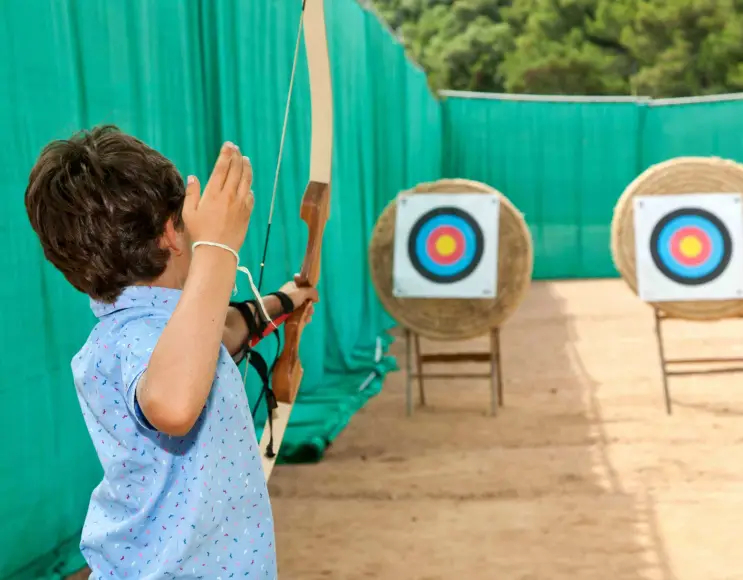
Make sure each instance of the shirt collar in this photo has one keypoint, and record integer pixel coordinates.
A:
(150, 297)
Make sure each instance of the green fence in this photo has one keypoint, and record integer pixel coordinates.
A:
(701, 126)
(184, 75)
(564, 161)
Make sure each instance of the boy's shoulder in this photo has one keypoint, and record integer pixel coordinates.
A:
(138, 302)
(140, 312)
(126, 332)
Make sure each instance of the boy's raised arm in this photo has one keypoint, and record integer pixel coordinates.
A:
(174, 388)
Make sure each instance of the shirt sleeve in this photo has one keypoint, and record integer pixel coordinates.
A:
(138, 340)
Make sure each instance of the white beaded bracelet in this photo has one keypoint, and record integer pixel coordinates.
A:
(242, 269)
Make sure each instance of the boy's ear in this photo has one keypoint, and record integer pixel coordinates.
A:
(173, 239)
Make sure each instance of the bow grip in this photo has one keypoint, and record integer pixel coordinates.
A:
(288, 371)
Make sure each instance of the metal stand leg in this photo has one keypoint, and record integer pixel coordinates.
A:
(662, 354)
(495, 374)
(419, 367)
(408, 375)
(499, 361)
(496, 392)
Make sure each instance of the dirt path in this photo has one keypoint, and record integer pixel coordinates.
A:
(582, 476)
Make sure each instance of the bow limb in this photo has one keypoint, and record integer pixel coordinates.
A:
(314, 211)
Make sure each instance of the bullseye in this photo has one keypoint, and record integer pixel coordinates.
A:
(445, 245)
(691, 246)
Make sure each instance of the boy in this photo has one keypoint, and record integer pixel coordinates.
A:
(183, 493)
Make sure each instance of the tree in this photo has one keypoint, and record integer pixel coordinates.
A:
(460, 44)
(658, 48)
(686, 47)
(568, 47)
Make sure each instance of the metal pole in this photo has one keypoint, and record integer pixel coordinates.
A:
(662, 354)
(419, 366)
(495, 373)
(408, 377)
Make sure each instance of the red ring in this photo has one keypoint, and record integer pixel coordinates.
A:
(433, 237)
(703, 238)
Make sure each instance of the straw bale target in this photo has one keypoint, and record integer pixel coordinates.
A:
(676, 237)
(457, 318)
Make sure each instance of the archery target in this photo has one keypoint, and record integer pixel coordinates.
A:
(688, 247)
(446, 246)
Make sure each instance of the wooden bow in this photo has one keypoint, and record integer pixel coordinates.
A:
(314, 211)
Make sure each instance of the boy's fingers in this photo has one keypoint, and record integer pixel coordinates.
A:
(234, 174)
(246, 181)
(193, 194)
(221, 167)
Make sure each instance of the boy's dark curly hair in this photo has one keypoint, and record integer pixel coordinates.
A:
(99, 202)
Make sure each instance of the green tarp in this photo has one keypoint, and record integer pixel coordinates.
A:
(565, 161)
(185, 75)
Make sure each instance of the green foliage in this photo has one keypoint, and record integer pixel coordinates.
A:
(459, 43)
(657, 48)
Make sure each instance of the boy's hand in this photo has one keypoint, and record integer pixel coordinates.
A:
(299, 296)
(222, 213)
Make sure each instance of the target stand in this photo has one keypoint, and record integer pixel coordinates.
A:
(681, 366)
(677, 241)
(689, 240)
(451, 260)
(415, 355)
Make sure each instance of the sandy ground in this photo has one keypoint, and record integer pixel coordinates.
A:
(581, 476)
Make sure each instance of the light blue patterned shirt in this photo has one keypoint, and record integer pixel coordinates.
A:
(168, 507)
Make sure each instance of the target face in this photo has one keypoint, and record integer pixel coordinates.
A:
(446, 246)
(686, 247)
(691, 246)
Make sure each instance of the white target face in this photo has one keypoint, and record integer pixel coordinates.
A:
(688, 246)
(446, 246)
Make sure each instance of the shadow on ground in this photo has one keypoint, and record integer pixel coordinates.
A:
(453, 492)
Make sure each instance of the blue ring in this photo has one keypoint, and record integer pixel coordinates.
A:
(465, 265)
(666, 253)
(421, 246)
(720, 251)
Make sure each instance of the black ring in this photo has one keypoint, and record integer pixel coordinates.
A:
(727, 246)
(415, 232)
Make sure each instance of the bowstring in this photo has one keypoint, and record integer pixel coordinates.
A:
(274, 192)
